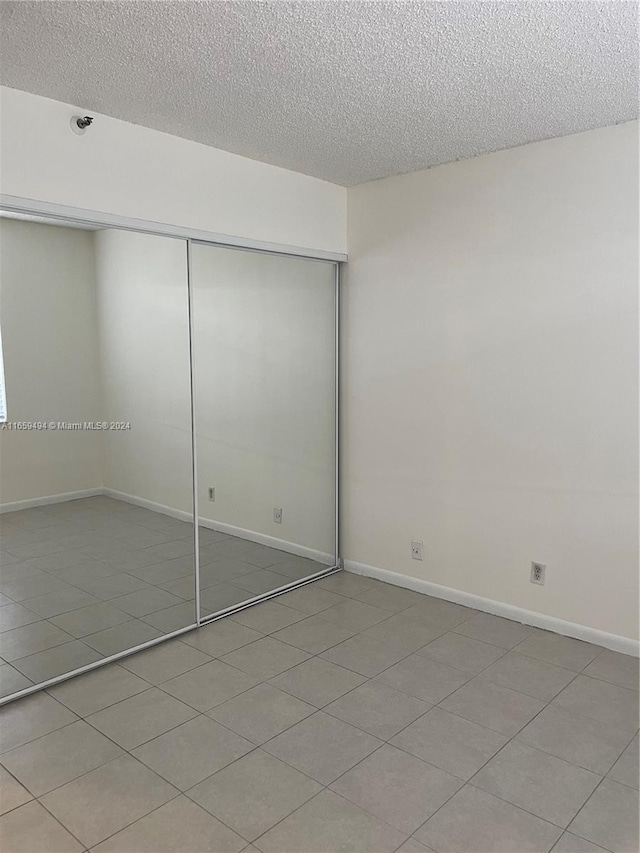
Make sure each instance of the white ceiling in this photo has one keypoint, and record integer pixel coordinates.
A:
(346, 91)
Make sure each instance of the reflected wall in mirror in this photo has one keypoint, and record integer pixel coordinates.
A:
(96, 551)
(264, 354)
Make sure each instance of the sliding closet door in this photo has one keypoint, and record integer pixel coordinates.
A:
(264, 353)
(96, 477)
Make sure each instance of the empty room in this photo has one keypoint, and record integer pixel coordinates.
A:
(319, 426)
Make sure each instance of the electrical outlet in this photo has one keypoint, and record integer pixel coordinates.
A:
(277, 514)
(416, 550)
(212, 493)
(537, 573)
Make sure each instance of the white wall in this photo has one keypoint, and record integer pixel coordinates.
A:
(491, 376)
(264, 350)
(143, 319)
(49, 331)
(126, 169)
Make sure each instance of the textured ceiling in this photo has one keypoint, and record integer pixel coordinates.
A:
(346, 91)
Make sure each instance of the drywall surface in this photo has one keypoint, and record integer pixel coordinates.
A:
(129, 170)
(49, 337)
(143, 319)
(491, 376)
(264, 371)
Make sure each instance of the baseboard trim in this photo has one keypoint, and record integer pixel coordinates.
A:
(269, 541)
(230, 529)
(615, 642)
(180, 514)
(12, 506)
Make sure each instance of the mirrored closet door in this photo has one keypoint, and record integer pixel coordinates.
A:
(97, 538)
(264, 362)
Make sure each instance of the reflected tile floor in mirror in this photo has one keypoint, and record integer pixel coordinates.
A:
(85, 579)
(344, 715)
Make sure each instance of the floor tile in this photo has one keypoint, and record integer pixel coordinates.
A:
(261, 713)
(164, 661)
(610, 818)
(146, 601)
(463, 653)
(355, 614)
(107, 799)
(377, 709)
(182, 587)
(328, 822)
(121, 637)
(193, 751)
(113, 586)
(346, 583)
(12, 793)
(570, 843)
(412, 633)
(273, 790)
(423, 678)
(209, 685)
(265, 658)
(546, 786)
(625, 770)
(616, 668)
(57, 661)
(26, 719)
(536, 678)
(590, 697)
(389, 597)
(221, 637)
(413, 846)
(259, 581)
(37, 637)
(366, 656)
(495, 630)
(222, 595)
(314, 635)
(588, 743)
(12, 681)
(89, 620)
(559, 650)
(450, 742)
(140, 718)
(322, 747)
(498, 708)
(267, 617)
(172, 618)
(33, 583)
(93, 691)
(55, 603)
(15, 616)
(474, 820)
(31, 829)
(397, 788)
(59, 757)
(311, 599)
(177, 827)
(439, 612)
(317, 681)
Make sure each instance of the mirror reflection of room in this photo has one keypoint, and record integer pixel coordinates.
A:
(264, 394)
(97, 548)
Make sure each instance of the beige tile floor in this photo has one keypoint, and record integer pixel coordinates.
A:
(85, 579)
(347, 715)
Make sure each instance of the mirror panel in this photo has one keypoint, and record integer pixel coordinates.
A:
(97, 538)
(264, 351)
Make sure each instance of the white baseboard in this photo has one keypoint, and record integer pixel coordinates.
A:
(230, 529)
(12, 506)
(615, 642)
(270, 541)
(180, 514)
